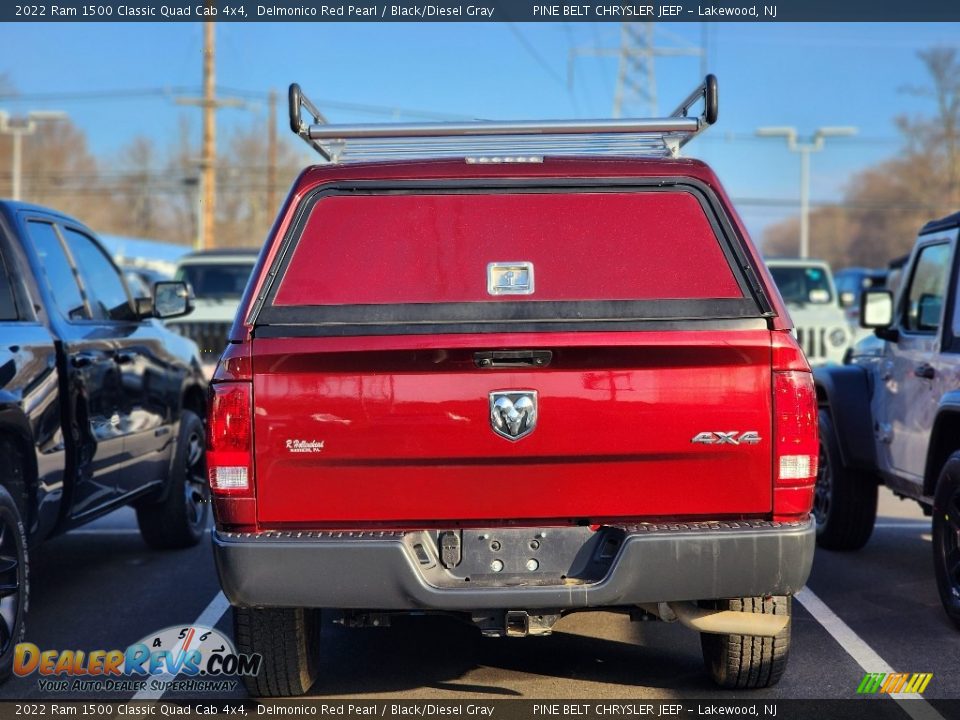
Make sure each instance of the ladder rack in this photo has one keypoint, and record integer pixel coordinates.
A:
(512, 141)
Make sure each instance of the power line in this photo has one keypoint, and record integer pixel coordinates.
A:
(842, 205)
(534, 53)
(168, 92)
(92, 95)
(389, 110)
(752, 137)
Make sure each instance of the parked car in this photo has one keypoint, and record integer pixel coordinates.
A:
(508, 391)
(217, 279)
(892, 415)
(851, 282)
(99, 407)
(808, 290)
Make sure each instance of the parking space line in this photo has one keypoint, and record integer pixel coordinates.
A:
(864, 655)
(208, 618)
(105, 531)
(910, 524)
(109, 531)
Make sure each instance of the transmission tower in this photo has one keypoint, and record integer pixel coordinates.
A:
(636, 71)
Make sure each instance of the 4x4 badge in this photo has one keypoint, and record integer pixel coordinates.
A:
(751, 437)
(513, 413)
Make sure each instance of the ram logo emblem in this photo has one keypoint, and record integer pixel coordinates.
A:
(750, 437)
(513, 413)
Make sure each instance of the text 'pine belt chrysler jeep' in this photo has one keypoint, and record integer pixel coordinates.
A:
(508, 384)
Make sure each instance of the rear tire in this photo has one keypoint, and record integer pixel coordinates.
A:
(180, 519)
(845, 500)
(946, 537)
(14, 560)
(745, 662)
(288, 640)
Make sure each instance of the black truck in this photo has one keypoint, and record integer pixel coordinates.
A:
(100, 404)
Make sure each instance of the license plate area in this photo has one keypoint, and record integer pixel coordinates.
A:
(504, 557)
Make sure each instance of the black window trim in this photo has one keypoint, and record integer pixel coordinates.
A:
(950, 341)
(62, 225)
(904, 305)
(54, 225)
(5, 277)
(57, 223)
(752, 304)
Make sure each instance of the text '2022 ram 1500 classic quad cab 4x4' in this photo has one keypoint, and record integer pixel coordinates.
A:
(892, 415)
(510, 387)
(100, 405)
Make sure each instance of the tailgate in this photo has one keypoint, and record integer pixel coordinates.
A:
(345, 434)
(374, 401)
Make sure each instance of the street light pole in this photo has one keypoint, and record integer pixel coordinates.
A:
(812, 145)
(805, 151)
(16, 139)
(16, 128)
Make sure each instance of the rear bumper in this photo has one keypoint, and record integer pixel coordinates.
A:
(401, 570)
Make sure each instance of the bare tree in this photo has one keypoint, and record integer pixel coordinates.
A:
(60, 171)
(937, 138)
(183, 173)
(243, 213)
(138, 206)
(883, 206)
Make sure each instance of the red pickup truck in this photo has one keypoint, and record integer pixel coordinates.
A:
(509, 388)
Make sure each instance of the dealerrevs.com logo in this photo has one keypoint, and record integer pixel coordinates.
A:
(203, 658)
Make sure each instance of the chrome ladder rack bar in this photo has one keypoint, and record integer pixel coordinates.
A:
(656, 137)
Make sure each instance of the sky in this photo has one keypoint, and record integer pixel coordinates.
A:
(802, 75)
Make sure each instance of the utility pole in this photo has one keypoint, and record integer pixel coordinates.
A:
(16, 128)
(209, 150)
(811, 145)
(636, 71)
(272, 156)
(208, 161)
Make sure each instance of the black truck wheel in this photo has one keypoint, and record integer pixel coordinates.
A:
(743, 662)
(180, 519)
(845, 500)
(288, 640)
(14, 562)
(946, 537)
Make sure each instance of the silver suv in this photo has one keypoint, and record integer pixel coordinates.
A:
(892, 415)
(820, 324)
(218, 278)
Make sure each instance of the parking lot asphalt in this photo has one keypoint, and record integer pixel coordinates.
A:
(100, 587)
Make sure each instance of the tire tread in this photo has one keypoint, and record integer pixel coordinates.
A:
(164, 525)
(853, 503)
(948, 482)
(288, 641)
(740, 662)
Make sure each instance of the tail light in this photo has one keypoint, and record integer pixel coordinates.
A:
(795, 427)
(229, 439)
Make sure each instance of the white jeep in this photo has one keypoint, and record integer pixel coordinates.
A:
(819, 322)
(218, 279)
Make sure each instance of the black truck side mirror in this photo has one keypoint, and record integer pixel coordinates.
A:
(171, 299)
